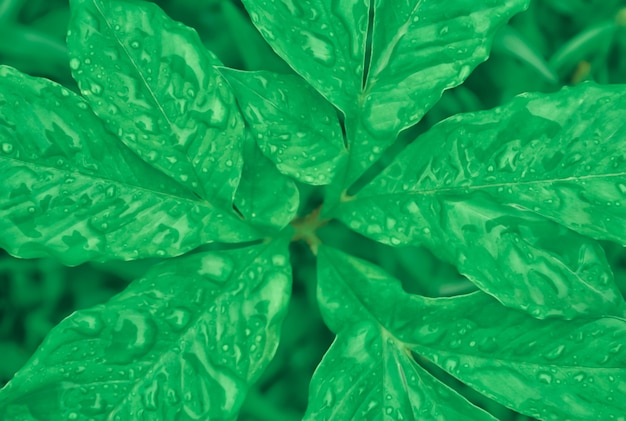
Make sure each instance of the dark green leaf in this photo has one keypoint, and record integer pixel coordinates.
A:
(480, 196)
(153, 82)
(73, 191)
(185, 342)
(293, 125)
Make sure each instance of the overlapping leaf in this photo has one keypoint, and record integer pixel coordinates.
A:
(418, 49)
(293, 125)
(541, 368)
(261, 184)
(153, 82)
(185, 342)
(481, 194)
(72, 190)
(368, 375)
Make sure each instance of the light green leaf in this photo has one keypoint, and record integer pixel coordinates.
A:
(418, 49)
(265, 197)
(549, 369)
(73, 191)
(293, 125)
(185, 342)
(154, 84)
(471, 199)
(367, 375)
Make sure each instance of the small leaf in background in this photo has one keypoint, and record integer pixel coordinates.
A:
(549, 369)
(418, 49)
(151, 80)
(293, 125)
(73, 191)
(266, 204)
(184, 342)
(472, 199)
(366, 374)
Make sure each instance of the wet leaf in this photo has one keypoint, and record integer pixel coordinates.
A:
(483, 196)
(153, 83)
(549, 369)
(73, 191)
(293, 125)
(256, 197)
(366, 374)
(418, 49)
(185, 342)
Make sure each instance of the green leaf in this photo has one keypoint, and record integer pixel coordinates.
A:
(293, 125)
(418, 49)
(261, 184)
(153, 82)
(549, 369)
(480, 196)
(73, 191)
(366, 374)
(185, 342)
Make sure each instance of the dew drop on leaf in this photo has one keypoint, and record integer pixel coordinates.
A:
(217, 267)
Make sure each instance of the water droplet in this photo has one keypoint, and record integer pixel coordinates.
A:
(319, 47)
(217, 267)
(450, 364)
(178, 318)
(135, 44)
(555, 353)
(279, 260)
(7, 148)
(88, 324)
(544, 377)
(133, 336)
(74, 63)
(96, 89)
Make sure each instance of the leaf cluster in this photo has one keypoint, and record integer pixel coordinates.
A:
(167, 153)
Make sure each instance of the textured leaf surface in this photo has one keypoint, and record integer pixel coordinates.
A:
(73, 191)
(418, 49)
(153, 82)
(472, 197)
(367, 375)
(550, 369)
(294, 126)
(265, 197)
(185, 342)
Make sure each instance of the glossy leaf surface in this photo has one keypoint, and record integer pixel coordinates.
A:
(550, 369)
(294, 126)
(154, 84)
(72, 190)
(418, 49)
(480, 196)
(185, 342)
(265, 197)
(367, 375)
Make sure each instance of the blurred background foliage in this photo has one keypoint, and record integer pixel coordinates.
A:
(554, 43)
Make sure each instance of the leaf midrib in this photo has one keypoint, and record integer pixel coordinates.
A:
(150, 91)
(464, 189)
(114, 181)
